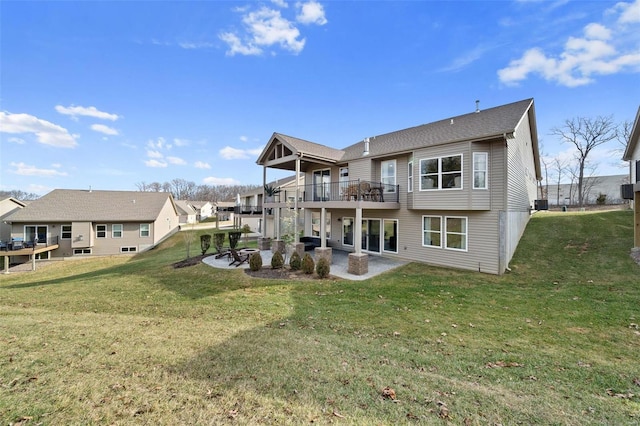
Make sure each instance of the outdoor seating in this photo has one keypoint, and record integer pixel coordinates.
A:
(17, 243)
(365, 190)
(238, 259)
(4, 246)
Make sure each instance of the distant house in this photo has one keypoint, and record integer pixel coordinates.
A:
(204, 209)
(457, 192)
(187, 212)
(594, 187)
(7, 207)
(631, 191)
(84, 223)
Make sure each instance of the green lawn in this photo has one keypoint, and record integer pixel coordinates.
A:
(122, 341)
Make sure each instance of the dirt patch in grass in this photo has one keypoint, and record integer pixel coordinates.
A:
(635, 255)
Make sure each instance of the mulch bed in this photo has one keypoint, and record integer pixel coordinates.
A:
(283, 274)
(192, 261)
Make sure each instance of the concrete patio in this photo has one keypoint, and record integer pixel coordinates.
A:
(377, 264)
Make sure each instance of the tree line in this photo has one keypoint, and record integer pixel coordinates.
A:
(182, 189)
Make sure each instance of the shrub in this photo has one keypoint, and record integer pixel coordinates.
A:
(295, 262)
(218, 241)
(308, 265)
(277, 261)
(255, 262)
(323, 268)
(205, 243)
(602, 199)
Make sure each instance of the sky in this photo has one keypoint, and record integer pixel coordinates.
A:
(106, 95)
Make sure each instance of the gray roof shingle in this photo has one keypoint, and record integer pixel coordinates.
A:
(473, 126)
(67, 205)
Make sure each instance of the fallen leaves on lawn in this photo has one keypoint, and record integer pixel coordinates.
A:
(389, 393)
(502, 364)
(615, 394)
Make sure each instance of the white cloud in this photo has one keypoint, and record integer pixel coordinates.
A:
(46, 132)
(75, 111)
(201, 165)
(104, 129)
(154, 154)
(195, 45)
(265, 27)
(229, 153)
(176, 160)
(244, 138)
(180, 142)
(155, 163)
(160, 143)
(630, 12)
(280, 3)
(219, 181)
(311, 12)
(18, 141)
(600, 51)
(29, 170)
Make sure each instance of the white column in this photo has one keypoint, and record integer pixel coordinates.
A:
(323, 226)
(357, 237)
(264, 211)
(296, 238)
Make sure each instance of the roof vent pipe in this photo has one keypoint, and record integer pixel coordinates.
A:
(366, 146)
(477, 106)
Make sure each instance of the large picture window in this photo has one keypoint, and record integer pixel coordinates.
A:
(441, 173)
(480, 162)
(432, 231)
(456, 233)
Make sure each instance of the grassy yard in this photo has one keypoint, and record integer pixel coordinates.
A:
(122, 341)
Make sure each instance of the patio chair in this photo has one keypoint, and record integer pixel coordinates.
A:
(17, 243)
(365, 190)
(4, 246)
(238, 259)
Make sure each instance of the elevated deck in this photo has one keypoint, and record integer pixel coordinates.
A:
(7, 254)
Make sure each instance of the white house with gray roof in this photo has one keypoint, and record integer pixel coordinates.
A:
(456, 192)
(90, 222)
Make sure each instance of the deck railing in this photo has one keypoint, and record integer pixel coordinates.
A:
(353, 190)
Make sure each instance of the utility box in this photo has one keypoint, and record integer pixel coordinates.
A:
(541, 204)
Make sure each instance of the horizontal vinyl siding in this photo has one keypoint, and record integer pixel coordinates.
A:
(522, 184)
(482, 238)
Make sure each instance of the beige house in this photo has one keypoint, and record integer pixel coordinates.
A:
(632, 190)
(89, 222)
(8, 206)
(457, 192)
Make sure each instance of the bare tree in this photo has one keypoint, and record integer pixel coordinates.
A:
(585, 134)
(559, 166)
(19, 195)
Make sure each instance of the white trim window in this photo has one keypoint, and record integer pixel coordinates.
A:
(390, 228)
(116, 231)
(455, 233)
(388, 175)
(343, 179)
(65, 232)
(132, 249)
(480, 170)
(410, 175)
(82, 251)
(145, 230)
(347, 231)
(441, 173)
(432, 231)
(101, 231)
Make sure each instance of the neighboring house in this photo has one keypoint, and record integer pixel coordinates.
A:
(79, 222)
(595, 186)
(187, 212)
(251, 201)
(204, 209)
(631, 191)
(8, 206)
(457, 192)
